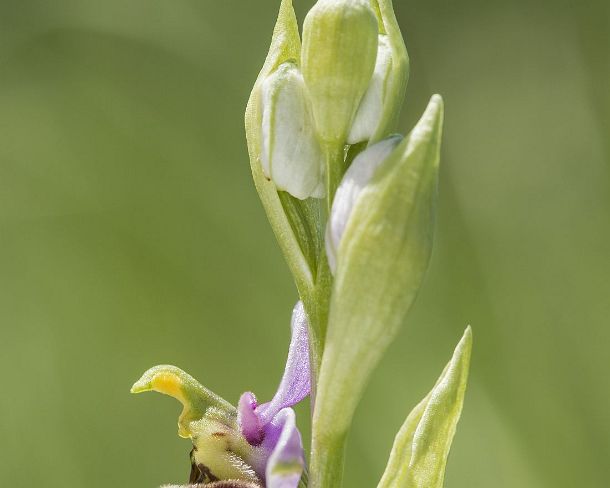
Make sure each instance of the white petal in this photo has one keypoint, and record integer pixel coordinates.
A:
(371, 107)
(356, 178)
(291, 155)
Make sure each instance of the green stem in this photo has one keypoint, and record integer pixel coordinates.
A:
(327, 459)
(327, 456)
(316, 304)
(316, 299)
(335, 167)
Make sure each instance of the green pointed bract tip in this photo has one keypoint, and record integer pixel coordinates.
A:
(285, 47)
(421, 448)
(285, 42)
(195, 398)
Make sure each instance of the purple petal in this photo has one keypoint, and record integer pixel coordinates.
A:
(295, 384)
(249, 420)
(286, 463)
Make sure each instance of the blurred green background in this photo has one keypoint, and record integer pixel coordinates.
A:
(131, 235)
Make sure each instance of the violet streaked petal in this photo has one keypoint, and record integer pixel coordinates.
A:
(286, 463)
(295, 384)
(249, 420)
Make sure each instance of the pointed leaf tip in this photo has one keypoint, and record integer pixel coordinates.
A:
(431, 122)
(420, 450)
(286, 40)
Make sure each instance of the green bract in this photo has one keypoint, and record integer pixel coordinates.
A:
(294, 239)
(420, 451)
(381, 261)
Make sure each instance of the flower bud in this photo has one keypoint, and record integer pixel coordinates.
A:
(381, 104)
(371, 107)
(381, 260)
(291, 156)
(285, 47)
(338, 59)
(355, 180)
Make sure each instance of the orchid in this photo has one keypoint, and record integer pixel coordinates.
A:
(252, 445)
(352, 206)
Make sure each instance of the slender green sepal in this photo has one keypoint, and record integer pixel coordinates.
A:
(195, 398)
(421, 448)
(285, 47)
(381, 262)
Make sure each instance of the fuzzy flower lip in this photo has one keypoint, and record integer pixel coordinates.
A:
(256, 444)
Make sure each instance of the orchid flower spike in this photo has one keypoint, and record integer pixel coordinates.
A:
(353, 208)
(253, 446)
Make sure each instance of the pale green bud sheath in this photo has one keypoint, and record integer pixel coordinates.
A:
(285, 47)
(295, 222)
(371, 107)
(291, 155)
(338, 59)
(420, 450)
(378, 114)
(381, 261)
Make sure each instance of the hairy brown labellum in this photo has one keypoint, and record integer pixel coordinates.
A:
(218, 484)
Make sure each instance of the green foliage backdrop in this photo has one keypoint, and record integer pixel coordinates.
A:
(131, 235)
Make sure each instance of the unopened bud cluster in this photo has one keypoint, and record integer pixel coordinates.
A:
(334, 93)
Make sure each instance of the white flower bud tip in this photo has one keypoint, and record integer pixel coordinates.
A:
(291, 156)
(370, 111)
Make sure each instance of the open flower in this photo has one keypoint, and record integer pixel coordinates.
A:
(252, 445)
